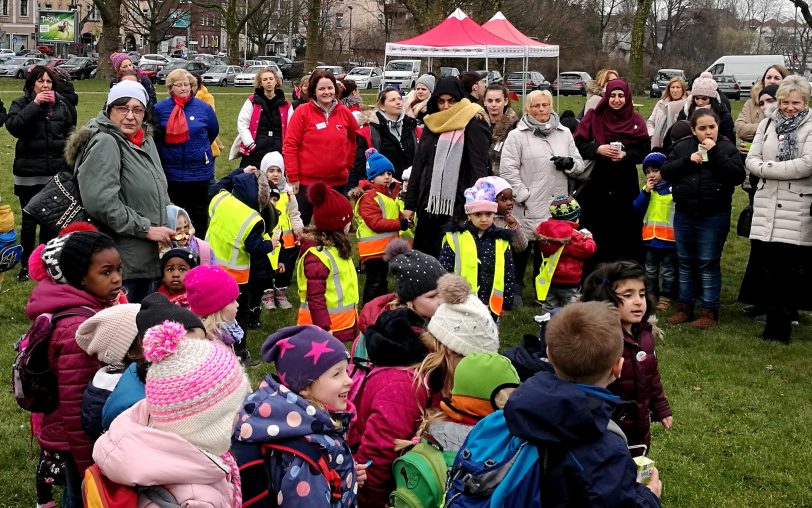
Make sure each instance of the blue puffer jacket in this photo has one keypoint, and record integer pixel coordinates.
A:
(127, 392)
(191, 161)
(588, 465)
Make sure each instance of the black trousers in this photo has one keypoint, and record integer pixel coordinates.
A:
(376, 271)
(428, 235)
(520, 260)
(194, 198)
(288, 257)
(28, 229)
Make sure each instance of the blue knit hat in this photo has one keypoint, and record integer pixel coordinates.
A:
(654, 159)
(377, 164)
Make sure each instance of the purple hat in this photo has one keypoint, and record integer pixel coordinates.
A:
(302, 354)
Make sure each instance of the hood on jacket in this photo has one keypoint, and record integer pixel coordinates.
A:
(101, 123)
(394, 339)
(49, 296)
(392, 190)
(446, 86)
(367, 117)
(557, 230)
(172, 214)
(253, 191)
(546, 409)
(592, 88)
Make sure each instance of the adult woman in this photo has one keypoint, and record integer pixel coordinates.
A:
(300, 92)
(751, 115)
(537, 158)
(666, 110)
(781, 234)
(122, 184)
(200, 91)
(417, 100)
(606, 200)
(390, 132)
(121, 62)
(451, 156)
(704, 94)
(350, 97)
(320, 142)
(704, 170)
(41, 120)
(189, 128)
(596, 88)
(262, 121)
(502, 120)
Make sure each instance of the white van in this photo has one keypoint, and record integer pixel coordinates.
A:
(747, 69)
(402, 73)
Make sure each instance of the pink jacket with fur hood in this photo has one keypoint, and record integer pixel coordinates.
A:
(133, 453)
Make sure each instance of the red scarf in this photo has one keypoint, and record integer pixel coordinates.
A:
(138, 138)
(176, 129)
(605, 125)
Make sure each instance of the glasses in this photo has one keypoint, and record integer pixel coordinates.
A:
(181, 85)
(124, 111)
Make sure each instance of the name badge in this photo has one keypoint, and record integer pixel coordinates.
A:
(321, 125)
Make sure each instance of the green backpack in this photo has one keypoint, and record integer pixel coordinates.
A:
(420, 477)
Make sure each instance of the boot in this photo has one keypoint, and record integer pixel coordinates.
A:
(268, 299)
(684, 314)
(663, 303)
(23, 275)
(708, 318)
(282, 299)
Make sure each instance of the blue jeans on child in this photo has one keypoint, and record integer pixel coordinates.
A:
(660, 262)
(699, 250)
(559, 297)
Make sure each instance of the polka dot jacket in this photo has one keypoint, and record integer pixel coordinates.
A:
(274, 413)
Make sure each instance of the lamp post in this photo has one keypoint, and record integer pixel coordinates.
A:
(349, 37)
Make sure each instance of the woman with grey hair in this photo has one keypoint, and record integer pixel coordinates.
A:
(781, 232)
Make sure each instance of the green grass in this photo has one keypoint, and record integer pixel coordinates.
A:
(741, 406)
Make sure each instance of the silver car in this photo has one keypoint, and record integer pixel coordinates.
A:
(246, 77)
(18, 67)
(222, 75)
(366, 77)
(572, 83)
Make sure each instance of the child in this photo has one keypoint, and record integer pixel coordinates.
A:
(178, 219)
(567, 248)
(568, 414)
(84, 276)
(504, 217)
(213, 297)
(656, 205)
(307, 407)
(404, 184)
(623, 284)
(175, 264)
(178, 437)
(480, 252)
(290, 229)
(328, 282)
(379, 220)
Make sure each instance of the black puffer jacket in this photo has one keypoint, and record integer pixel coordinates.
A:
(400, 153)
(41, 132)
(703, 189)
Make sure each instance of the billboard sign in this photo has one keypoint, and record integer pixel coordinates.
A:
(56, 26)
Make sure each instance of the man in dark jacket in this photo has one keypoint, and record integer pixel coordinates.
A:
(568, 415)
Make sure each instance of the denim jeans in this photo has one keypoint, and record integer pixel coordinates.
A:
(558, 297)
(699, 250)
(660, 262)
(72, 495)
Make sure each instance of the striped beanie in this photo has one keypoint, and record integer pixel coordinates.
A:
(194, 387)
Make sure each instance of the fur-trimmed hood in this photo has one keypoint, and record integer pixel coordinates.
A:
(592, 88)
(101, 123)
(367, 117)
(506, 123)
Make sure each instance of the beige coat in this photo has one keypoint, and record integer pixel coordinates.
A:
(662, 118)
(781, 210)
(749, 117)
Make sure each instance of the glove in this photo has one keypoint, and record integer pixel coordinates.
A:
(562, 163)
(404, 224)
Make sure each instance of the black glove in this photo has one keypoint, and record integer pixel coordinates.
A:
(404, 224)
(562, 163)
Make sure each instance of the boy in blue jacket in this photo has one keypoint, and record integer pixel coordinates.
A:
(567, 414)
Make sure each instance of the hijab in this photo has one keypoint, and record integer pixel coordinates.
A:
(605, 124)
(448, 85)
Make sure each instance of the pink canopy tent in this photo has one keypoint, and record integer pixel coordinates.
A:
(504, 29)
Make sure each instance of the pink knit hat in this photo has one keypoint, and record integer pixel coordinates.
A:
(481, 197)
(209, 289)
(117, 58)
(499, 183)
(194, 387)
(705, 86)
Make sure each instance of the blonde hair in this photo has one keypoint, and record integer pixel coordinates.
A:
(534, 96)
(428, 417)
(212, 323)
(175, 76)
(676, 79)
(793, 83)
(440, 359)
(603, 76)
(258, 78)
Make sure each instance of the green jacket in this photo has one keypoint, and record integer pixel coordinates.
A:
(123, 189)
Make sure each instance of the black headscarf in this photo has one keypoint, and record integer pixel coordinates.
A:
(449, 85)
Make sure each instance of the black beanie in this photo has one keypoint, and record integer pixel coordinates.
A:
(67, 258)
(155, 309)
(394, 339)
(415, 273)
(770, 90)
(449, 85)
(179, 252)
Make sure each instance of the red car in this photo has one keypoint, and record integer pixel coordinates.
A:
(46, 50)
(150, 70)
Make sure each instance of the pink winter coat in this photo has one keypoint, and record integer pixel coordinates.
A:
(133, 453)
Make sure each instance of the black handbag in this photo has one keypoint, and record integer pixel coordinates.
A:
(745, 221)
(58, 204)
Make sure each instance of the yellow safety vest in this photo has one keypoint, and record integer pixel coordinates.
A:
(408, 235)
(371, 243)
(545, 277)
(342, 289)
(659, 219)
(230, 222)
(285, 223)
(466, 265)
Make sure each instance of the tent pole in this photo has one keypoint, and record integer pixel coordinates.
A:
(525, 64)
(383, 81)
(558, 78)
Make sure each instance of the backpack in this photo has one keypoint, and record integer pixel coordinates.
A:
(98, 491)
(10, 251)
(420, 477)
(257, 460)
(33, 382)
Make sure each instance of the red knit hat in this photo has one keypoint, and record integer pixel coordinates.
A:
(331, 210)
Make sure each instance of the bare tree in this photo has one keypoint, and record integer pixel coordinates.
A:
(667, 19)
(638, 44)
(235, 14)
(109, 42)
(155, 18)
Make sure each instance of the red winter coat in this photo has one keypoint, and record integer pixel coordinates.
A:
(578, 248)
(640, 382)
(62, 429)
(320, 147)
(374, 308)
(371, 212)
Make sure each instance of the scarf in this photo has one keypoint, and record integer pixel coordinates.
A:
(787, 130)
(233, 478)
(395, 126)
(604, 124)
(138, 138)
(176, 129)
(542, 129)
(351, 101)
(231, 333)
(417, 106)
(450, 125)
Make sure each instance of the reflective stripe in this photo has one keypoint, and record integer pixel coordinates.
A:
(545, 277)
(231, 223)
(372, 243)
(285, 223)
(341, 294)
(658, 222)
(466, 265)
(244, 230)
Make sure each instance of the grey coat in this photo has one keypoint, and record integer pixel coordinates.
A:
(123, 189)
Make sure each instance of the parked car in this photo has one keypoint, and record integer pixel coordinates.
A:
(18, 66)
(337, 71)
(46, 50)
(246, 77)
(728, 86)
(289, 68)
(533, 80)
(135, 57)
(183, 64)
(449, 72)
(222, 75)
(53, 62)
(79, 67)
(492, 76)
(153, 58)
(571, 83)
(7, 51)
(150, 70)
(660, 81)
(366, 77)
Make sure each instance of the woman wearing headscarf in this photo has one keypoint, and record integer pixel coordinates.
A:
(596, 88)
(451, 156)
(606, 199)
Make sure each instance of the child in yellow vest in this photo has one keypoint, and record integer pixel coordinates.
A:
(325, 271)
(656, 205)
(480, 252)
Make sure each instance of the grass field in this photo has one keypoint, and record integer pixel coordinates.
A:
(741, 406)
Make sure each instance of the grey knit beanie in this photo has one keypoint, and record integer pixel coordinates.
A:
(415, 273)
(428, 81)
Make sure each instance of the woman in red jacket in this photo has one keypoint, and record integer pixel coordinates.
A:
(319, 145)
